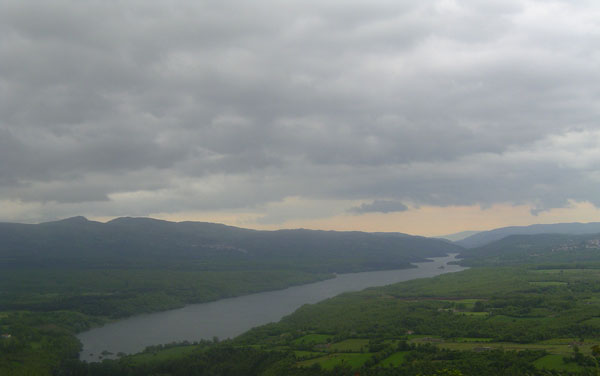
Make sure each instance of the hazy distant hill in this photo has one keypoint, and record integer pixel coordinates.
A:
(540, 248)
(486, 237)
(143, 242)
(458, 236)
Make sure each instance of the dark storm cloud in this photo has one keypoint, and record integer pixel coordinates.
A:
(139, 107)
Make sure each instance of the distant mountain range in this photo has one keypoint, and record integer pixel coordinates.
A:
(146, 242)
(550, 249)
(486, 237)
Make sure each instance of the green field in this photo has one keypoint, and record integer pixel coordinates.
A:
(556, 363)
(474, 314)
(471, 339)
(394, 360)
(312, 339)
(594, 321)
(333, 360)
(299, 354)
(350, 345)
(463, 304)
(556, 349)
(548, 283)
(568, 271)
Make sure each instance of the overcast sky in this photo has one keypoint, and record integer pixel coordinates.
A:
(424, 117)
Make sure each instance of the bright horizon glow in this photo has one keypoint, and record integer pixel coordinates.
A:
(424, 221)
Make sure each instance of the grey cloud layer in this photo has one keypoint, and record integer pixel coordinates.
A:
(379, 206)
(139, 107)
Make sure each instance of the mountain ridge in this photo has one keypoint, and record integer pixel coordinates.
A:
(549, 249)
(486, 237)
(143, 242)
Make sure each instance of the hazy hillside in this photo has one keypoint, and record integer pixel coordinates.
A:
(457, 236)
(540, 248)
(486, 237)
(133, 242)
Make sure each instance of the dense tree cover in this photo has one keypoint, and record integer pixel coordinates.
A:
(42, 309)
(230, 360)
(518, 303)
(539, 319)
(71, 274)
(496, 321)
(220, 360)
(116, 293)
(150, 243)
(536, 249)
(486, 237)
(39, 343)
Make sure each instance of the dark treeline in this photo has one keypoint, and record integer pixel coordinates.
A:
(232, 361)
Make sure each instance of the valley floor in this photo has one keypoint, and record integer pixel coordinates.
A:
(535, 320)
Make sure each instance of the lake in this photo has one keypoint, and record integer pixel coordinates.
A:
(228, 318)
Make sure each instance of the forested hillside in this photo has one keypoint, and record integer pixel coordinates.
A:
(529, 305)
(132, 265)
(484, 321)
(146, 242)
(535, 249)
(486, 237)
(63, 277)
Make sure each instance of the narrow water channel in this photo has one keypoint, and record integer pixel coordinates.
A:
(228, 318)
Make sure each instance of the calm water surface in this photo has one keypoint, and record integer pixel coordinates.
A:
(228, 318)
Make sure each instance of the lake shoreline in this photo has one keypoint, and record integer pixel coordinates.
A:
(153, 328)
(333, 275)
